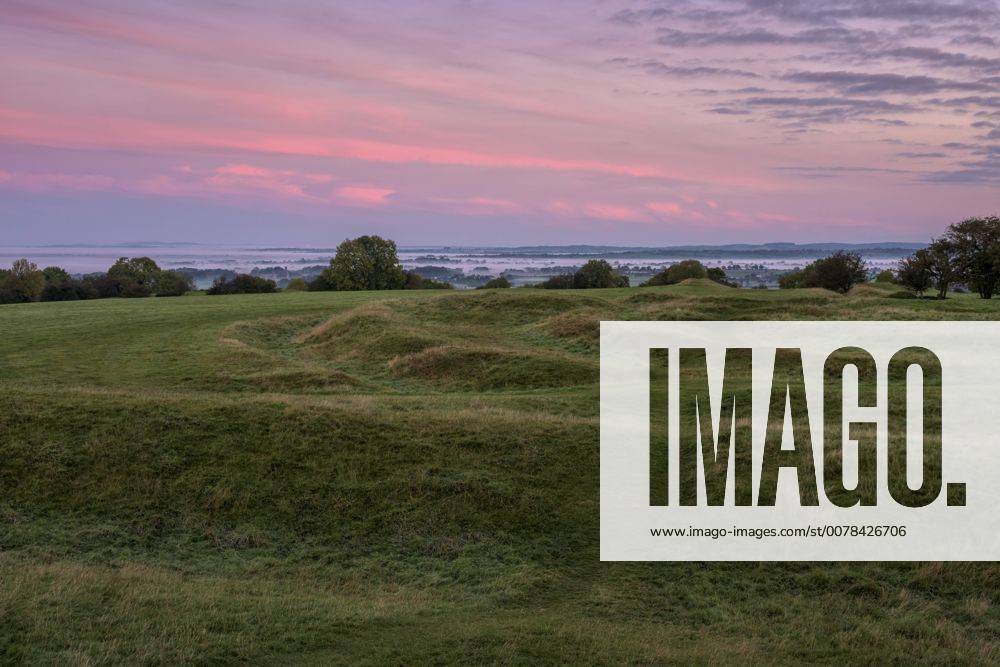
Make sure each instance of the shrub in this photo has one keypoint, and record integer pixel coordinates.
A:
(675, 273)
(689, 268)
(415, 281)
(430, 283)
(885, 276)
(412, 280)
(172, 283)
(364, 263)
(496, 283)
(717, 275)
(792, 279)
(838, 272)
(243, 283)
(915, 272)
(597, 274)
(296, 285)
(561, 281)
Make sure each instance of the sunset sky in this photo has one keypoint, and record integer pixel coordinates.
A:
(496, 122)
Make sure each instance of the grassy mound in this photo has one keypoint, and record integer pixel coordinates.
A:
(493, 368)
(704, 283)
(876, 290)
(503, 306)
(373, 332)
(245, 479)
(583, 325)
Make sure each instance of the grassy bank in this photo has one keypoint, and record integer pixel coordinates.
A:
(393, 477)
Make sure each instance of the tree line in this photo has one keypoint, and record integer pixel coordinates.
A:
(127, 277)
(968, 253)
(364, 263)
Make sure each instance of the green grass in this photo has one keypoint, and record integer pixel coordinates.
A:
(398, 477)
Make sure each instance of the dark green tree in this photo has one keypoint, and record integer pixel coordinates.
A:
(134, 276)
(885, 276)
(675, 273)
(22, 283)
(839, 272)
(975, 245)
(945, 265)
(717, 275)
(499, 282)
(242, 283)
(915, 272)
(364, 263)
(172, 283)
(597, 273)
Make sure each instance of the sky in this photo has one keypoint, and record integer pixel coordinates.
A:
(496, 122)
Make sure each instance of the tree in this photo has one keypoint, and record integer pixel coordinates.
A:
(134, 276)
(102, 286)
(885, 276)
(561, 281)
(22, 283)
(364, 263)
(717, 275)
(500, 282)
(172, 283)
(415, 281)
(243, 283)
(793, 279)
(60, 286)
(689, 268)
(838, 272)
(975, 245)
(296, 285)
(55, 275)
(675, 273)
(945, 265)
(412, 280)
(597, 273)
(915, 272)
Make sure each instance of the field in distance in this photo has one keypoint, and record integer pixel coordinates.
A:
(394, 477)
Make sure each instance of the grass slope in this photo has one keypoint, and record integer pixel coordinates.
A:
(408, 477)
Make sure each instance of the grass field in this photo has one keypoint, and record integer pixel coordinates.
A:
(394, 477)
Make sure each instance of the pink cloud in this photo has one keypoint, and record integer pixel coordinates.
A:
(478, 205)
(614, 212)
(666, 207)
(365, 195)
(130, 133)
